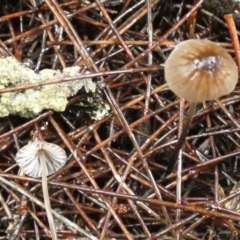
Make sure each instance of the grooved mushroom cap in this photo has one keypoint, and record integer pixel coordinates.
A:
(30, 156)
(200, 70)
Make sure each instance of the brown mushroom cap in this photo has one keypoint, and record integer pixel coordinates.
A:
(200, 70)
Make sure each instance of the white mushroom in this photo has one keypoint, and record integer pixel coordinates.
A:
(29, 160)
(40, 159)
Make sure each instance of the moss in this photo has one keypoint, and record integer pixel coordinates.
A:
(31, 102)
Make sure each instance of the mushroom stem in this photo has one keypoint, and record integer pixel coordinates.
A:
(43, 159)
(186, 127)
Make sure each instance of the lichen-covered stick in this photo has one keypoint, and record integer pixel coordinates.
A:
(198, 70)
(40, 159)
(30, 102)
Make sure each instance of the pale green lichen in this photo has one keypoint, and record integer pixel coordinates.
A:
(96, 108)
(13, 73)
(100, 113)
(31, 102)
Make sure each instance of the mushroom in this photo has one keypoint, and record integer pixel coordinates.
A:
(198, 70)
(40, 159)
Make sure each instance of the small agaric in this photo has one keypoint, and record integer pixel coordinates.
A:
(40, 159)
(198, 70)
